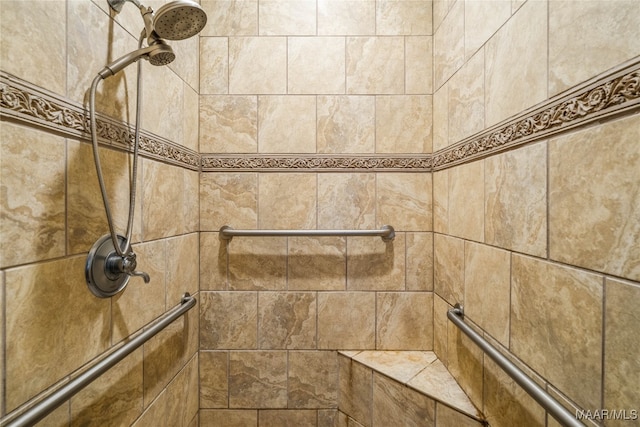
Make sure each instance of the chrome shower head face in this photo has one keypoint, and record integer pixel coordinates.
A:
(179, 20)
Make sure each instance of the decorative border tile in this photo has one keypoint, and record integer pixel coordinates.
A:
(317, 163)
(25, 102)
(605, 96)
(609, 95)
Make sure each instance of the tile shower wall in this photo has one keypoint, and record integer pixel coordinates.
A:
(540, 243)
(346, 78)
(52, 213)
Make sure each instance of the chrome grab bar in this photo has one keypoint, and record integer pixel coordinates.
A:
(43, 407)
(386, 232)
(551, 405)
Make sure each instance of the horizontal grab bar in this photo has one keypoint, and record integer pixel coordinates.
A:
(45, 406)
(551, 405)
(386, 232)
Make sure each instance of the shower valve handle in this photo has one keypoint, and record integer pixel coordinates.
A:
(117, 265)
(142, 274)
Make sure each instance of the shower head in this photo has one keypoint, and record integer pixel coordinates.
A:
(179, 20)
(162, 54)
(159, 53)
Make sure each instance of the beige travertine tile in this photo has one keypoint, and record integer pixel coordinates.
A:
(346, 17)
(286, 320)
(419, 261)
(287, 124)
(506, 403)
(440, 322)
(516, 64)
(441, 201)
(214, 65)
(287, 201)
(373, 264)
(177, 405)
(516, 4)
(436, 381)
(607, 36)
(448, 264)
(621, 347)
(308, 75)
(32, 220)
(168, 192)
(403, 18)
(556, 321)
(466, 201)
(258, 379)
(404, 201)
(464, 362)
(446, 416)
(440, 10)
(482, 20)
(214, 381)
(419, 65)
(403, 124)
(355, 390)
(114, 398)
(213, 262)
(163, 104)
(190, 209)
(228, 199)
(182, 267)
(516, 200)
(38, 319)
(448, 45)
(441, 118)
(487, 289)
(258, 65)
(186, 393)
(399, 365)
(404, 321)
(346, 124)
(187, 62)
(257, 263)
(346, 320)
(228, 124)
(594, 198)
(466, 99)
(313, 379)
(92, 42)
(2, 332)
(395, 404)
(168, 352)
(287, 417)
(287, 17)
(375, 65)
(228, 320)
(191, 119)
(331, 418)
(36, 56)
(230, 17)
(128, 315)
(228, 417)
(346, 201)
(317, 263)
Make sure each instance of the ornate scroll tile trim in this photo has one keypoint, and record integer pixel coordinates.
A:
(603, 97)
(28, 103)
(316, 163)
(609, 95)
